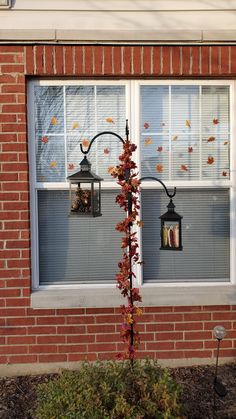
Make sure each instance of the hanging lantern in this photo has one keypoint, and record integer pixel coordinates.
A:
(85, 192)
(171, 231)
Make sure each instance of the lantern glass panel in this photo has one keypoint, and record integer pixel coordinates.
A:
(85, 199)
(171, 235)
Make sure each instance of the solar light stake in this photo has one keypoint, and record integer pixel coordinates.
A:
(219, 333)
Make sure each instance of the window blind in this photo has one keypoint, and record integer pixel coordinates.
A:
(77, 249)
(206, 236)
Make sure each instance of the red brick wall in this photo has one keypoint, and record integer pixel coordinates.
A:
(28, 335)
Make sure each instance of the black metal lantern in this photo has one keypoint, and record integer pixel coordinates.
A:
(171, 230)
(85, 192)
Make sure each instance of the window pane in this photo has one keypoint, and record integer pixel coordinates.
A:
(77, 249)
(206, 236)
(195, 121)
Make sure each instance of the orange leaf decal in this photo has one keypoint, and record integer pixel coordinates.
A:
(175, 137)
(42, 178)
(146, 125)
(215, 121)
(140, 223)
(210, 160)
(53, 164)
(187, 123)
(224, 173)
(211, 139)
(106, 151)
(75, 125)
(184, 168)
(54, 121)
(190, 149)
(71, 166)
(110, 120)
(226, 142)
(44, 140)
(159, 168)
(85, 142)
(160, 149)
(148, 141)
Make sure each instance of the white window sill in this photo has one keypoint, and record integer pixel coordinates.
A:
(160, 295)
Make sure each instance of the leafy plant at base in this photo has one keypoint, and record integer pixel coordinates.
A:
(126, 174)
(110, 390)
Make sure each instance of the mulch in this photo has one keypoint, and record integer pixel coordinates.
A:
(18, 397)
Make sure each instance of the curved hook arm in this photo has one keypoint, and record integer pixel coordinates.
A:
(162, 183)
(99, 135)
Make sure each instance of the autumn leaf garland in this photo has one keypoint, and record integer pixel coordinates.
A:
(126, 175)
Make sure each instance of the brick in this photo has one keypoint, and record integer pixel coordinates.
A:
(40, 312)
(7, 118)
(117, 57)
(21, 340)
(7, 138)
(158, 327)
(227, 353)
(165, 62)
(13, 88)
(169, 355)
(157, 60)
(18, 263)
(9, 177)
(197, 354)
(102, 347)
(7, 99)
(68, 60)
(18, 282)
(7, 78)
(12, 331)
(22, 359)
(50, 320)
(189, 326)
(80, 319)
(205, 61)
(197, 335)
(224, 316)
(20, 321)
(147, 60)
(169, 336)
(49, 59)
(195, 53)
(5, 312)
(39, 57)
(110, 337)
(160, 346)
(8, 350)
(167, 317)
(3, 359)
(59, 60)
(21, 186)
(17, 244)
(127, 60)
(72, 348)
(15, 225)
(79, 60)
(9, 293)
(50, 339)
(39, 349)
(108, 60)
(14, 167)
(20, 302)
(88, 60)
(189, 345)
(17, 206)
(81, 357)
(215, 60)
(9, 273)
(136, 66)
(9, 235)
(97, 310)
(81, 338)
(217, 308)
(98, 60)
(70, 329)
(212, 344)
(108, 319)
(176, 67)
(101, 328)
(197, 316)
(186, 61)
(14, 127)
(53, 358)
(12, 68)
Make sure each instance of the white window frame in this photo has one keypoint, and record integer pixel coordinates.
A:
(166, 293)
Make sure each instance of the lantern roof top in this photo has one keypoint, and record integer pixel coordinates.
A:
(83, 176)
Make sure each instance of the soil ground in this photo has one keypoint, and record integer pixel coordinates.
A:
(17, 394)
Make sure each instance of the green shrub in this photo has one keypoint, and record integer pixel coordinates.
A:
(111, 390)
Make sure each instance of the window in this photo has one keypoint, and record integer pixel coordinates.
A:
(183, 132)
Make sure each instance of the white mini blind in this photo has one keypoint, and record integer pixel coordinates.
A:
(77, 250)
(206, 236)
